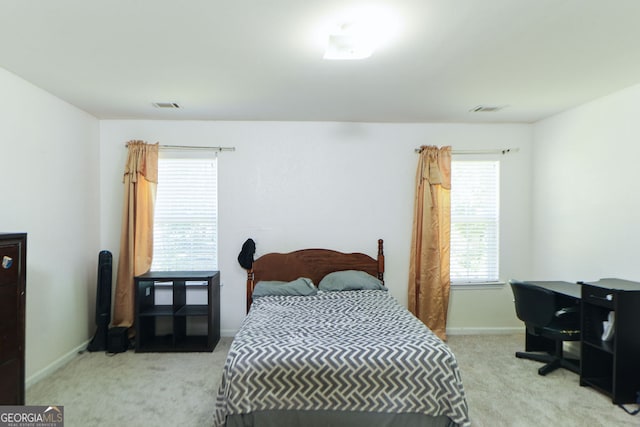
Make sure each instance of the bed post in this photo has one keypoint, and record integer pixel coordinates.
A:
(249, 288)
(380, 261)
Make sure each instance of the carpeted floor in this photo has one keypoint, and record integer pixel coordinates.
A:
(179, 389)
(135, 389)
(505, 391)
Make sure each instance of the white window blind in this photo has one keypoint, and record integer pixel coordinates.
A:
(185, 228)
(475, 207)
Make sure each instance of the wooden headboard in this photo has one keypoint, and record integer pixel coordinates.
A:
(311, 263)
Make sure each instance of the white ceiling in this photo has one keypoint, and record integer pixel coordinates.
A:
(262, 60)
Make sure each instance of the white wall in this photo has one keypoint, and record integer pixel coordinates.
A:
(585, 196)
(292, 185)
(49, 172)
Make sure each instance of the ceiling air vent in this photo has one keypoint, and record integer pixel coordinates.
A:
(166, 105)
(486, 108)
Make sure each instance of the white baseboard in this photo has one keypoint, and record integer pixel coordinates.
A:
(228, 332)
(55, 365)
(485, 331)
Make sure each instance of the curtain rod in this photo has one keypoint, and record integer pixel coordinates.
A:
(494, 151)
(192, 147)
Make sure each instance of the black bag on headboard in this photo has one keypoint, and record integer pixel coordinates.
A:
(245, 257)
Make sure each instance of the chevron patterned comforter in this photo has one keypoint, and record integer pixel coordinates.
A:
(347, 351)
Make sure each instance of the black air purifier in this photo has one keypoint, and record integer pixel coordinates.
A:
(103, 303)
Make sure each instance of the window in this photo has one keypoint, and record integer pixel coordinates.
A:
(185, 231)
(474, 221)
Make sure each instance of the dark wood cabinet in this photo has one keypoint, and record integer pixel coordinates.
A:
(13, 257)
(611, 366)
(177, 311)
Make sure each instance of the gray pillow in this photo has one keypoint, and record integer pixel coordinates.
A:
(350, 280)
(299, 287)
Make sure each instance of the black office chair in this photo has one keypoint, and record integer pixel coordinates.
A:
(543, 314)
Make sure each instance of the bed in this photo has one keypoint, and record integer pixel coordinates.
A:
(325, 344)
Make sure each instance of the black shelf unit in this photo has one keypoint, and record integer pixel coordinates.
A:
(163, 298)
(611, 366)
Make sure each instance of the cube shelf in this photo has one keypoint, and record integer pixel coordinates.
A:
(177, 311)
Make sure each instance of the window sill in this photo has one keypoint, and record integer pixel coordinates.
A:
(479, 285)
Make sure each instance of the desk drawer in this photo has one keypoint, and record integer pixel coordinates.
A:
(596, 295)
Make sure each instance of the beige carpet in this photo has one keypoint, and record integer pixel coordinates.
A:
(505, 391)
(178, 389)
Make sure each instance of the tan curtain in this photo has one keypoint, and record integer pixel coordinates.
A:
(136, 237)
(429, 277)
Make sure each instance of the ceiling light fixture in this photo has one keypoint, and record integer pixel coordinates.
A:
(349, 41)
(357, 33)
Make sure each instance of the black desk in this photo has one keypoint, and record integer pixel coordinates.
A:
(611, 366)
(572, 290)
(608, 366)
(571, 293)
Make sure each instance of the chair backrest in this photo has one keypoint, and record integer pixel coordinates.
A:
(534, 305)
